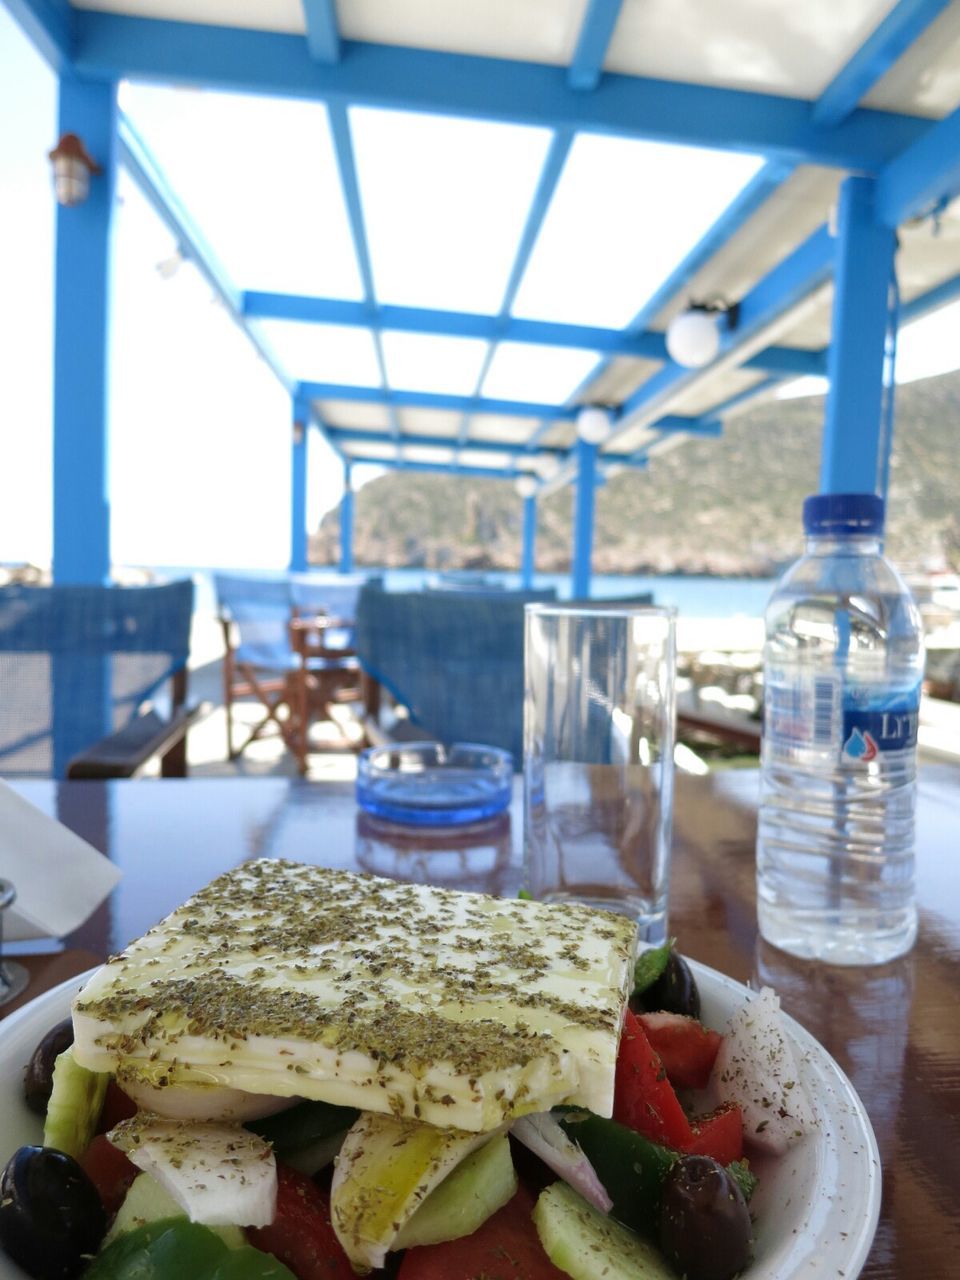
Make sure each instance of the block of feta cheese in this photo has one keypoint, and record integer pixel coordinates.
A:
(454, 1008)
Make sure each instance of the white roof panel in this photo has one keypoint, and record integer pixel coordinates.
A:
(625, 213)
(444, 202)
(238, 164)
(322, 352)
(769, 46)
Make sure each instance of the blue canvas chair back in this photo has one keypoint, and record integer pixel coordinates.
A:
(259, 608)
(455, 660)
(78, 662)
(336, 595)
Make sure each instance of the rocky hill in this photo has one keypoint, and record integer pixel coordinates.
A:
(729, 506)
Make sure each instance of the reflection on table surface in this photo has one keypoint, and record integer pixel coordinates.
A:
(895, 1030)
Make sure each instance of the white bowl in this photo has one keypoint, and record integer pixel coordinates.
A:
(816, 1208)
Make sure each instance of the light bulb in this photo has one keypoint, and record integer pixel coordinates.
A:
(693, 338)
(593, 424)
(526, 486)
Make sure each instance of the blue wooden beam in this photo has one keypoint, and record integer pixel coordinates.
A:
(583, 519)
(596, 31)
(351, 436)
(346, 521)
(112, 46)
(925, 176)
(323, 34)
(854, 450)
(939, 296)
(905, 22)
(647, 345)
(350, 184)
(48, 25)
(436, 400)
(529, 543)
(82, 292)
(298, 484)
(554, 161)
(435, 468)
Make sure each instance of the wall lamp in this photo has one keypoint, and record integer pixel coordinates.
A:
(526, 486)
(593, 424)
(72, 168)
(693, 336)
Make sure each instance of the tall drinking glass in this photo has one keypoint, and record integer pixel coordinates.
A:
(599, 725)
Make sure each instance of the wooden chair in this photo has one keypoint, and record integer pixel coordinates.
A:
(258, 662)
(289, 645)
(93, 680)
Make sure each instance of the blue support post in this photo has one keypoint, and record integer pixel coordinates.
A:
(346, 523)
(528, 553)
(853, 454)
(583, 519)
(81, 507)
(298, 486)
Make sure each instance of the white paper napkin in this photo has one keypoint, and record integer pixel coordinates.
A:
(60, 879)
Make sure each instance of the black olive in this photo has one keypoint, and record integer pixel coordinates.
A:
(51, 1218)
(675, 991)
(704, 1222)
(38, 1080)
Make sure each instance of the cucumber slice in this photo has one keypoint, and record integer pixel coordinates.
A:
(587, 1245)
(310, 1160)
(467, 1197)
(74, 1107)
(146, 1201)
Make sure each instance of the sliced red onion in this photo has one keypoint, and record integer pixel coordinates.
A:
(545, 1137)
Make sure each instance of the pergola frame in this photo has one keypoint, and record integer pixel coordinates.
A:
(901, 167)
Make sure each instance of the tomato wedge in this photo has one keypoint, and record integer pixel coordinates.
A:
(301, 1235)
(117, 1106)
(718, 1134)
(687, 1049)
(643, 1097)
(109, 1170)
(505, 1247)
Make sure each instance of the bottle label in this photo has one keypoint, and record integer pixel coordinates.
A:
(878, 723)
(822, 712)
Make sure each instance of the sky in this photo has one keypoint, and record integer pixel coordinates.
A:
(200, 426)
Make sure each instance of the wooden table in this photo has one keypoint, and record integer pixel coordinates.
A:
(895, 1030)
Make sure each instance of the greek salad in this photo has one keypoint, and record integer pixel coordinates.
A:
(213, 1184)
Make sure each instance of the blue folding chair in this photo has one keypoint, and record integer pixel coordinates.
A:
(289, 645)
(453, 660)
(82, 671)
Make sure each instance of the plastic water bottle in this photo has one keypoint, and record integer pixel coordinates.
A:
(843, 665)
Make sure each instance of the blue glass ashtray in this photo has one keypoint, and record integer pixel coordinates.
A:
(426, 784)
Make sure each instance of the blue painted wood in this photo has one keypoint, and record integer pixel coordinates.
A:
(350, 184)
(939, 296)
(786, 284)
(905, 23)
(924, 176)
(435, 468)
(82, 288)
(596, 31)
(323, 34)
(529, 546)
(299, 446)
(48, 24)
(554, 161)
(346, 523)
(349, 437)
(112, 45)
(435, 400)
(648, 344)
(852, 457)
(583, 520)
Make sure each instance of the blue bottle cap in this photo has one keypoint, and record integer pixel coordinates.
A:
(843, 514)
